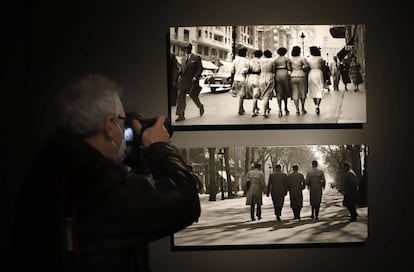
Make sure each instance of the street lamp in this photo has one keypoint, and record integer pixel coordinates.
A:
(302, 36)
(221, 157)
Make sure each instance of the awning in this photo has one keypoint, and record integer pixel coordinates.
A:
(337, 31)
(226, 63)
(345, 50)
(209, 65)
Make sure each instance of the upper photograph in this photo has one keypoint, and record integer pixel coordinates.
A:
(266, 76)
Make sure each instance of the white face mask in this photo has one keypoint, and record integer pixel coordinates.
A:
(121, 149)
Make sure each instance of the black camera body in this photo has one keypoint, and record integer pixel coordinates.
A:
(134, 139)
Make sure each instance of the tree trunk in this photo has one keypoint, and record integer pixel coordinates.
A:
(212, 174)
(228, 174)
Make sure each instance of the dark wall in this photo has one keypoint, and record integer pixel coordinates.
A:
(44, 44)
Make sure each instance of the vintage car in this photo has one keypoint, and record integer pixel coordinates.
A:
(221, 80)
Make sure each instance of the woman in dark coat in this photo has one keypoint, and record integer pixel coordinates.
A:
(344, 70)
(355, 73)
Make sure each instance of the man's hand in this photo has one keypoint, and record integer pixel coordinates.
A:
(156, 133)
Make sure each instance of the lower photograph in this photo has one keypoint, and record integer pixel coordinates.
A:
(278, 196)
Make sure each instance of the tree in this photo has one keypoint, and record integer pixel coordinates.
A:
(228, 174)
(212, 174)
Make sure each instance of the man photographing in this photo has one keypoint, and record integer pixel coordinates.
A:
(80, 206)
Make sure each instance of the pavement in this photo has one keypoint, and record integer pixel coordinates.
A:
(221, 108)
(227, 223)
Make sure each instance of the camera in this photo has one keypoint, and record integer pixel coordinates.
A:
(134, 139)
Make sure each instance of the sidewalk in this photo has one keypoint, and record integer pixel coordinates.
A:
(227, 223)
(337, 107)
(354, 106)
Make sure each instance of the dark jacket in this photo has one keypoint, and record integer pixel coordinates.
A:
(350, 188)
(115, 212)
(277, 186)
(189, 70)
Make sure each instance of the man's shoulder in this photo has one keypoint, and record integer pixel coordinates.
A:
(195, 56)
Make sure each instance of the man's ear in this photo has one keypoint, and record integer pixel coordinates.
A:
(109, 127)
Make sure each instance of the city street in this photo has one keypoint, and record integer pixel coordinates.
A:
(227, 223)
(337, 107)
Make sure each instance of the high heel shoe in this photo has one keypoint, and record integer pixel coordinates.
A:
(266, 113)
(317, 110)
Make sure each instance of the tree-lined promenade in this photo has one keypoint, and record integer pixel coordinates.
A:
(217, 165)
(227, 223)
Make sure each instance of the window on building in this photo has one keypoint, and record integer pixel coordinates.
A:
(218, 38)
(205, 48)
(186, 35)
(199, 49)
(199, 33)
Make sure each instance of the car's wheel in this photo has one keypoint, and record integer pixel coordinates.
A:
(213, 89)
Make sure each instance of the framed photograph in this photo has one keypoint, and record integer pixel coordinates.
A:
(266, 76)
(278, 196)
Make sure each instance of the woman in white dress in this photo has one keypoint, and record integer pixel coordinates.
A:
(267, 80)
(315, 77)
(252, 80)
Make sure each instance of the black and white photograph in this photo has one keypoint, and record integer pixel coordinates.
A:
(267, 76)
(278, 196)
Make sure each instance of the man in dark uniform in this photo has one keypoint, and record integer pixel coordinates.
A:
(277, 187)
(190, 72)
(350, 190)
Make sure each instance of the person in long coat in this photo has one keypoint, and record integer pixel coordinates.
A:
(256, 186)
(355, 73)
(350, 190)
(344, 70)
(296, 183)
(336, 74)
(315, 181)
(277, 187)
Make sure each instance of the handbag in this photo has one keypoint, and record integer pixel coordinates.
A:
(195, 89)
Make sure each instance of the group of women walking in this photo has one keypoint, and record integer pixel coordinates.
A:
(264, 77)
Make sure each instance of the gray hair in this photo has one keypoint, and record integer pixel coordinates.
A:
(85, 104)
